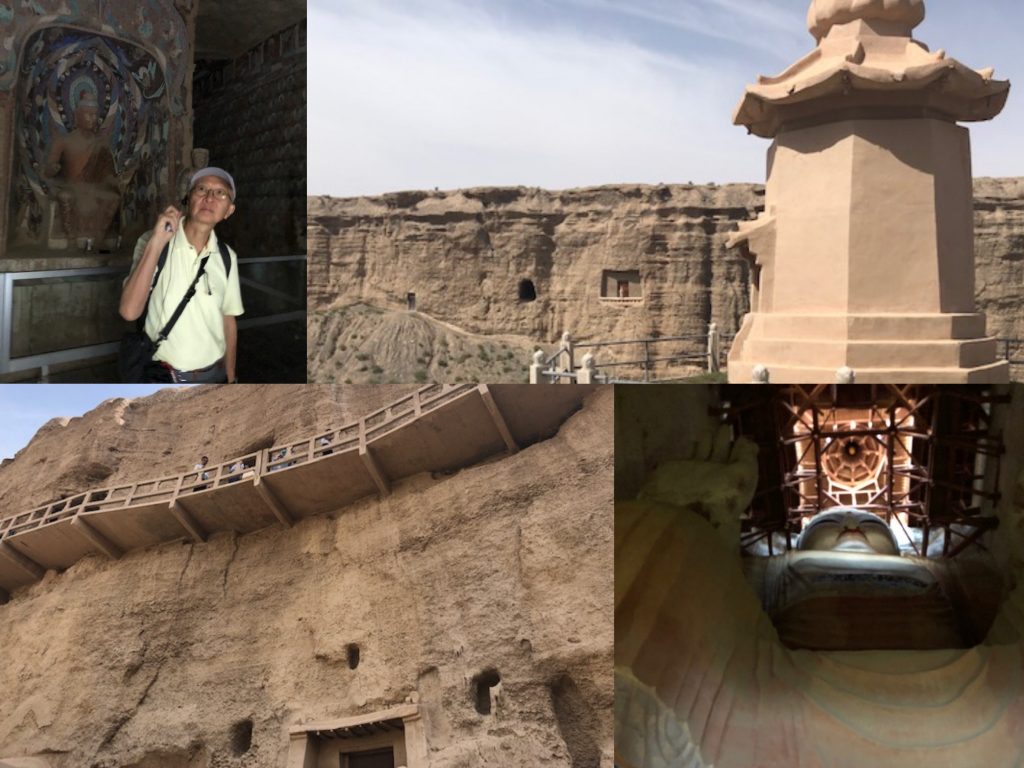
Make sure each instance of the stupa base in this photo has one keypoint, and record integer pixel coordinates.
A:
(809, 349)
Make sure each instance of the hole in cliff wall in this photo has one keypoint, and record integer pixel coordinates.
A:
(527, 291)
(483, 690)
(352, 655)
(241, 737)
(576, 721)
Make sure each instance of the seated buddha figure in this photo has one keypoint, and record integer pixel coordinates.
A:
(83, 176)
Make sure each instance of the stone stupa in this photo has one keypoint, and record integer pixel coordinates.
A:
(863, 261)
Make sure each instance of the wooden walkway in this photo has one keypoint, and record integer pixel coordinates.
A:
(436, 429)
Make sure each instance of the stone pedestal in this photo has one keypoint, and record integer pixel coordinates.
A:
(866, 258)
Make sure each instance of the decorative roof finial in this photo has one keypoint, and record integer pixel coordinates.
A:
(824, 14)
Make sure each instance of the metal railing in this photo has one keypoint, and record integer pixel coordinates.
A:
(353, 436)
(1013, 350)
(709, 355)
(287, 308)
(561, 365)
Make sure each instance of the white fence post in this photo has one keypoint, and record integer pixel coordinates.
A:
(714, 349)
(588, 371)
(537, 367)
(565, 346)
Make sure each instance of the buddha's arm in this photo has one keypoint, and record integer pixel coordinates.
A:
(53, 159)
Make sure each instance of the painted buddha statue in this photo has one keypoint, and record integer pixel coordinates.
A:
(84, 178)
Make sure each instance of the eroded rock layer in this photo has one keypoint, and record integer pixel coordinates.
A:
(465, 255)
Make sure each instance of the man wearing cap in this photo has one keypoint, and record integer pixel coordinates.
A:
(201, 346)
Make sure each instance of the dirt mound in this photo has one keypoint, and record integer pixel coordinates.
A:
(361, 344)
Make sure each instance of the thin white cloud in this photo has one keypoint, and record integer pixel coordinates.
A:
(406, 94)
(743, 24)
(400, 102)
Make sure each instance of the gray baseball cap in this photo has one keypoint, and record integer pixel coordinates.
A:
(220, 173)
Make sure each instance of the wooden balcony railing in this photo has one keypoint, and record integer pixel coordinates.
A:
(354, 436)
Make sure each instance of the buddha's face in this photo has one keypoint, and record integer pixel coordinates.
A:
(849, 531)
(87, 118)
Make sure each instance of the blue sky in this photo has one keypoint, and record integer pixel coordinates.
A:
(417, 94)
(24, 408)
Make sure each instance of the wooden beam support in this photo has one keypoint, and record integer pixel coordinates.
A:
(276, 505)
(379, 478)
(497, 418)
(187, 521)
(26, 564)
(967, 541)
(97, 539)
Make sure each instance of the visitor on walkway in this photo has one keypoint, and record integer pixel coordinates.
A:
(202, 475)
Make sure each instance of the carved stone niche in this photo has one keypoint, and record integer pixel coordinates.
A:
(90, 159)
(100, 174)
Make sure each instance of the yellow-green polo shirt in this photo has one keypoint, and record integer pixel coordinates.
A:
(197, 339)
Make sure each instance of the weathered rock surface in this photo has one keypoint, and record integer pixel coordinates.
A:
(365, 345)
(159, 658)
(999, 254)
(465, 253)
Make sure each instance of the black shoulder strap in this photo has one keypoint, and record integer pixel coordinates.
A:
(140, 324)
(225, 254)
(166, 331)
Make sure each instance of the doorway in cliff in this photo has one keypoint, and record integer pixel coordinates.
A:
(378, 758)
(621, 284)
(527, 290)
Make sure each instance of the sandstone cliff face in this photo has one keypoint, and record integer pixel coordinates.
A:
(465, 253)
(999, 255)
(164, 657)
(365, 345)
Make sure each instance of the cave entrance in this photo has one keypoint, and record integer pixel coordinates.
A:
(374, 759)
(385, 739)
(410, 301)
(527, 290)
(378, 758)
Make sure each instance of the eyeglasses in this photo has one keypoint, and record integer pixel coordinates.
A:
(219, 193)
